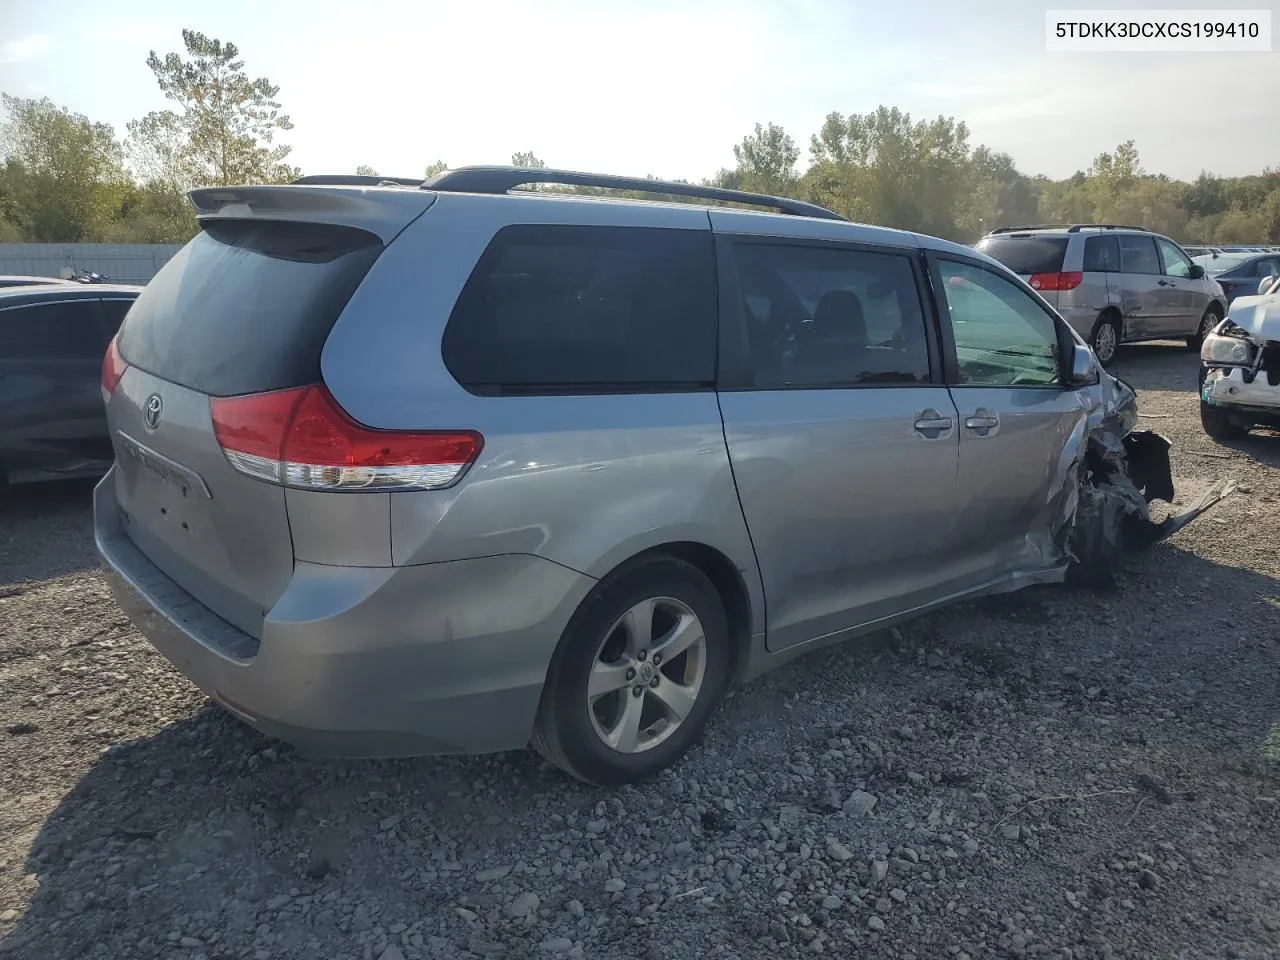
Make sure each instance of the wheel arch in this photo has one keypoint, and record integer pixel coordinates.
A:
(730, 582)
(1111, 312)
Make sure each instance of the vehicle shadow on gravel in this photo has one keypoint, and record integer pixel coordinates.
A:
(210, 838)
(42, 531)
(1164, 365)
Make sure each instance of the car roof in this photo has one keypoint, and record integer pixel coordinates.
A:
(55, 291)
(31, 280)
(1089, 230)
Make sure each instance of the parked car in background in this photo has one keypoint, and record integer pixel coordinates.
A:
(10, 280)
(52, 341)
(406, 470)
(1240, 365)
(1113, 284)
(1194, 252)
(1238, 273)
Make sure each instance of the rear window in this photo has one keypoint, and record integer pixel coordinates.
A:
(583, 309)
(1027, 254)
(247, 305)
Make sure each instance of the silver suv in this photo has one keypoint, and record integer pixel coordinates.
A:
(1113, 284)
(454, 467)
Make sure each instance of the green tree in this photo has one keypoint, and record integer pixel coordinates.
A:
(224, 128)
(884, 168)
(767, 161)
(64, 176)
(364, 170)
(526, 159)
(434, 168)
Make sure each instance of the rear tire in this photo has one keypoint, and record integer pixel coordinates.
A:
(1219, 424)
(1212, 317)
(1105, 339)
(619, 736)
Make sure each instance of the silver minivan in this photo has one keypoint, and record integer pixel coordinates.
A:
(404, 470)
(1113, 284)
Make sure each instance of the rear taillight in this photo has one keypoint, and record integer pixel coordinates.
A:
(1055, 281)
(302, 438)
(113, 368)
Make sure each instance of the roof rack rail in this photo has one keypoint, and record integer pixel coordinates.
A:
(499, 179)
(1032, 226)
(355, 180)
(1077, 227)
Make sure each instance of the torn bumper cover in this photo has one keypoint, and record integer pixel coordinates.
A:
(1110, 474)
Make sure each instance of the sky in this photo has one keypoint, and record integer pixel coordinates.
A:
(660, 87)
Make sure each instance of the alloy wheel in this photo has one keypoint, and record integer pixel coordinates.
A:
(647, 675)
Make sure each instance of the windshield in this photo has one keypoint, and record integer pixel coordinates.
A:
(1213, 267)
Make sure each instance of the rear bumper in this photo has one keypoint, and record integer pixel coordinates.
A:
(365, 661)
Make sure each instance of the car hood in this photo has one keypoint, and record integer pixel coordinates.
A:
(1259, 317)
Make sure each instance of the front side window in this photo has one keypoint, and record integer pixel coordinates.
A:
(583, 309)
(64, 330)
(1138, 254)
(1002, 336)
(830, 317)
(1176, 263)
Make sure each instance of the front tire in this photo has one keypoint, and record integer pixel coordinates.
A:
(1212, 317)
(1219, 424)
(1105, 340)
(636, 675)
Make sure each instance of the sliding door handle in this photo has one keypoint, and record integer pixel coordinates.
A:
(931, 424)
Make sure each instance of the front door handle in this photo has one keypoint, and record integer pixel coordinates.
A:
(982, 422)
(1166, 283)
(931, 424)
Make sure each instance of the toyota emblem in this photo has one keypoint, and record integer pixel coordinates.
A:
(151, 412)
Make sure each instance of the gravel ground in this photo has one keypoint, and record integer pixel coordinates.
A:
(1055, 773)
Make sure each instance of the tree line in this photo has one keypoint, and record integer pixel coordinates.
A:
(66, 178)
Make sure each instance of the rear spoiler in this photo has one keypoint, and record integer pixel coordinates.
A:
(381, 212)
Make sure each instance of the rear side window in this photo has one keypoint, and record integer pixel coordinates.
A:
(552, 308)
(63, 330)
(1027, 254)
(246, 306)
(1138, 254)
(1101, 254)
(830, 317)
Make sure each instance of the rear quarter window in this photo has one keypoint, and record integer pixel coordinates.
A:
(246, 306)
(586, 309)
(1027, 254)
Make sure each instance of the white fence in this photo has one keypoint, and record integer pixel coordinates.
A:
(119, 262)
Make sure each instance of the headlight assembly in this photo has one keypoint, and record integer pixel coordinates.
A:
(1230, 350)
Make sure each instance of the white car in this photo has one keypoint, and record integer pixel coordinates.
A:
(1240, 366)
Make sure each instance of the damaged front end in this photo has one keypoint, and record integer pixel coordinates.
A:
(1240, 376)
(1110, 475)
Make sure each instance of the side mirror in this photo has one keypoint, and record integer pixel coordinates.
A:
(1084, 370)
(1197, 271)
(1265, 285)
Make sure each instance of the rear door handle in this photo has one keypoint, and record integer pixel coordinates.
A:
(931, 424)
(1166, 283)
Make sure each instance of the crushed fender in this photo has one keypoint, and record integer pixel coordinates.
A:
(1119, 479)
